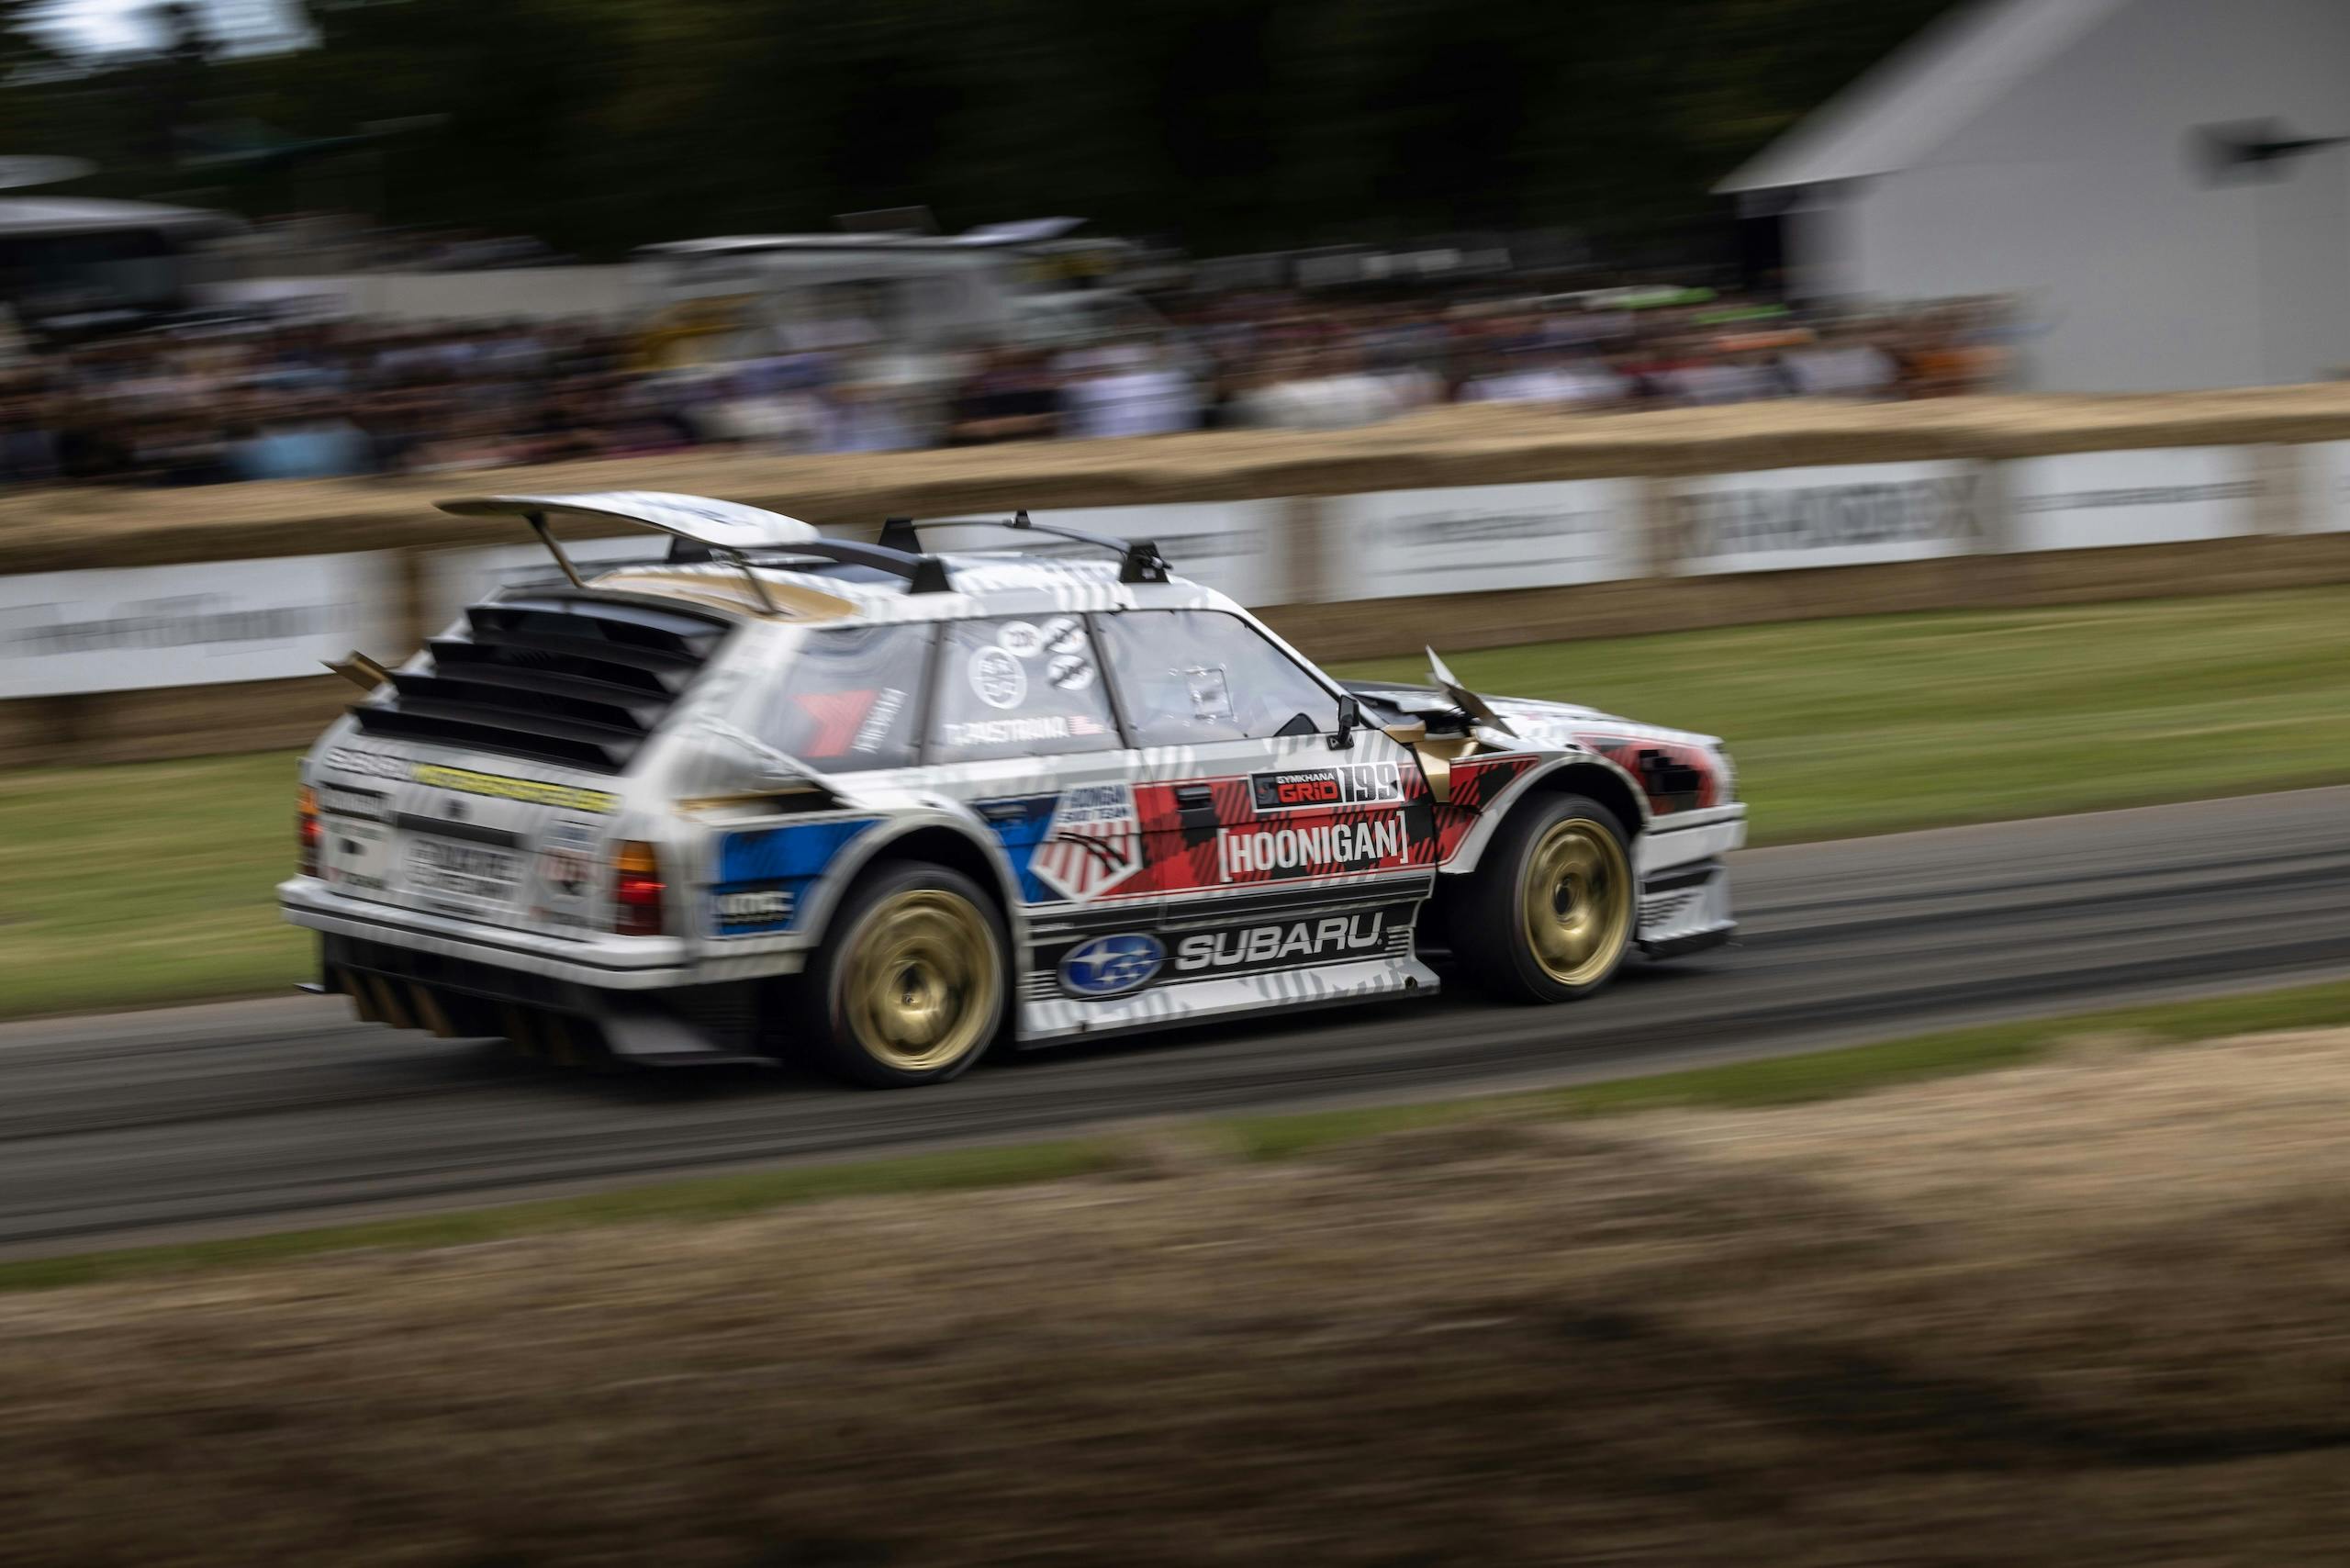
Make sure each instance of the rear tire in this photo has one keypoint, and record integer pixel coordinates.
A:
(910, 987)
(1549, 914)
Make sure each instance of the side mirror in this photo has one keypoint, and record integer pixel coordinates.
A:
(1349, 721)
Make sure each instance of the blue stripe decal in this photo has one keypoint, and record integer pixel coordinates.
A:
(1019, 823)
(763, 873)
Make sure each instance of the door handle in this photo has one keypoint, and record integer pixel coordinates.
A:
(1195, 805)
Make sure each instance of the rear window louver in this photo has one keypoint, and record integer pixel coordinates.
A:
(579, 681)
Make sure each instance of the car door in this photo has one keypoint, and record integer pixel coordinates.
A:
(1276, 840)
(1022, 728)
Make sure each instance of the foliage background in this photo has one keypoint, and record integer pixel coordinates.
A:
(1223, 125)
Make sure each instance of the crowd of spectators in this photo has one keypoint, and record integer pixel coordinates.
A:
(232, 401)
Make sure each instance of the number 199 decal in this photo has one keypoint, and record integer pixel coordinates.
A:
(1304, 789)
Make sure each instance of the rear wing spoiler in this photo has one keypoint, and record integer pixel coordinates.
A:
(719, 527)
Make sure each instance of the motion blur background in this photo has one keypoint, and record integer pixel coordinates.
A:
(1941, 401)
(1295, 215)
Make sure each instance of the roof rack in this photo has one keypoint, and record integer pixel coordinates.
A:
(1138, 559)
(923, 574)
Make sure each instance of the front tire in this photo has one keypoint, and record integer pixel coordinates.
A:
(911, 979)
(1548, 914)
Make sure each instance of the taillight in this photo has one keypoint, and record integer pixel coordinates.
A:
(307, 831)
(636, 891)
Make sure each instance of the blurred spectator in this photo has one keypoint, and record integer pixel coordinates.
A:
(225, 399)
(1126, 390)
(1011, 397)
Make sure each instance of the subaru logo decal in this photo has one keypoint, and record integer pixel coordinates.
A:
(1111, 966)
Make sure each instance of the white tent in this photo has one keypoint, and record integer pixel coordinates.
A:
(2156, 180)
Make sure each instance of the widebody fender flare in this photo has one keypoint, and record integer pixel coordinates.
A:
(901, 818)
(1547, 777)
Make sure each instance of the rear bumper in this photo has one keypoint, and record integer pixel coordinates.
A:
(636, 997)
(602, 962)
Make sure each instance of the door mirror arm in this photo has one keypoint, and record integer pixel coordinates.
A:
(1349, 721)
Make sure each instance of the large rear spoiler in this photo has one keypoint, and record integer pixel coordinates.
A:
(719, 527)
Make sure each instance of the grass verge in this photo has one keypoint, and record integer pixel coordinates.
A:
(1792, 1080)
(152, 882)
(1881, 723)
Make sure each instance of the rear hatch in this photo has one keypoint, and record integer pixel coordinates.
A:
(484, 782)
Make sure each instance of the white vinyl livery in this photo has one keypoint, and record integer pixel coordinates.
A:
(776, 792)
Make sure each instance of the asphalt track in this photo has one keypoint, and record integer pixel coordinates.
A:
(262, 1114)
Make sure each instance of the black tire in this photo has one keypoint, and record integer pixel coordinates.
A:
(947, 1001)
(1593, 901)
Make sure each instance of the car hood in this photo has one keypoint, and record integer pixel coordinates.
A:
(1542, 723)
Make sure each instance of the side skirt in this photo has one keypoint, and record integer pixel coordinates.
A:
(1044, 1020)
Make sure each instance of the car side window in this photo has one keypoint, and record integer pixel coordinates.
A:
(847, 701)
(1191, 676)
(1013, 687)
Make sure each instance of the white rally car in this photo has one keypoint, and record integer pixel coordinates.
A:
(779, 792)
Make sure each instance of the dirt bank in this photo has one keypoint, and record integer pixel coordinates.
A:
(2089, 1313)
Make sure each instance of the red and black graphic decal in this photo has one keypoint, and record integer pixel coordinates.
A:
(838, 715)
(1674, 777)
(1477, 783)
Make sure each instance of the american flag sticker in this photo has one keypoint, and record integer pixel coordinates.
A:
(1092, 844)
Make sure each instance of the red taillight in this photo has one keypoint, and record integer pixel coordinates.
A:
(307, 831)
(636, 891)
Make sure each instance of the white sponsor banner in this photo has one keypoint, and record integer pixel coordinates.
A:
(459, 577)
(1838, 515)
(1389, 543)
(131, 628)
(1234, 547)
(2085, 500)
(2326, 483)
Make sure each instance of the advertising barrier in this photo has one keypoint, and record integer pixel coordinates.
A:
(207, 622)
(1395, 543)
(2326, 488)
(1600, 555)
(1848, 515)
(2087, 500)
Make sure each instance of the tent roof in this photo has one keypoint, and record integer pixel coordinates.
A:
(1921, 94)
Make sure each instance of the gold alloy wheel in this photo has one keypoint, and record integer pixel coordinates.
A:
(921, 984)
(1577, 901)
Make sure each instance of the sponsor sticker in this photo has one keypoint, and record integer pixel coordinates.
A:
(357, 854)
(337, 799)
(997, 677)
(1070, 672)
(368, 763)
(1320, 849)
(532, 792)
(1020, 639)
(466, 782)
(1005, 732)
(1210, 693)
(1111, 966)
(743, 909)
(567, 871)
(1353, 784)
(1282, 944)
(1092, 844)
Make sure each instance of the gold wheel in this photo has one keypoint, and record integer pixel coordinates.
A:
(1577, 901)
(921, 983)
